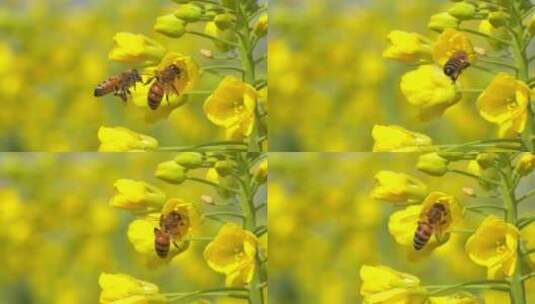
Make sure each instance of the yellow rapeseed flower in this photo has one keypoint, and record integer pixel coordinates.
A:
(124, 289)
(525, 164)
(232, 106)
(457, 298)
(119, 139)
(260, 28)
(504, 102)
(494, 245)
(189, 71)
(384, 285)
(406, 47)
(398, 188)
(132, 48)
(398, 139)
(233, 253)
(141, 234)
(136, 196)
(402, 224)
(430, 89)
(187, 213)
(450, 42)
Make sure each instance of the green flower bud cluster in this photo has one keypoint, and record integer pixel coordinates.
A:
(175, 171)
(489, 15)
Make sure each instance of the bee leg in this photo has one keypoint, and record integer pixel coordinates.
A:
(174, 89)
(149, 80)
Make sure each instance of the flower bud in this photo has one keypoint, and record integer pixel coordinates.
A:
(189, 12)
(486, 160)
(531, 26)
(132, 48)
(463, 10)
(171, 172)
(498, 18)
(398, 188)
(442, 21)
(190, 160)
(261, 26)
(119, 139)
(432, 164)
(525, 164)
(224, 21)
(170, 26)
(497, 32)
(122, 288)
(261, 172)
(224, 167)
(226, 35)
(136, 196)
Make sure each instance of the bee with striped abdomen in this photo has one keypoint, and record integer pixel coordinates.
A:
(173, 226)
(432, 221)
(119, 84)
(163, 84)
(456, 64)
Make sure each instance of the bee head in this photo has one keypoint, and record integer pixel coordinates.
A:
(175, 69)
(136, 75)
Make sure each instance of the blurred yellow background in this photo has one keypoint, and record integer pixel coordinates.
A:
(52, 55)
(324, 226)
(330, 84)
(59, 233)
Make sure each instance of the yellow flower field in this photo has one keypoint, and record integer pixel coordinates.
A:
(345, 229)
(81, 228)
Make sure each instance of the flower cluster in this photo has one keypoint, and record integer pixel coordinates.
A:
(437, 83)
(164, 228)
(170, 79)
(428, 219)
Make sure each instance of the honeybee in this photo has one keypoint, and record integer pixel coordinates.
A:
(456, 64)
(173, 226)
(119, 84)
(431, 221)
(162, 85)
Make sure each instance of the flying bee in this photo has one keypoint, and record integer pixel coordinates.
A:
(456, 64)
(119, 84)
(431, 221)
(173, 226)
(163, 84)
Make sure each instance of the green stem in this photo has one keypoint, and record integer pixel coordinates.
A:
(498, 63)
(523, 222)
(485, 36)
(247, 206)
(223, 213)
(486, 206)
(484, 284)
(527, 276)
(209, 183)
(510, 203)
(472, 176)
(246, 48)
(527, 195)
(222, 67)
(522, 63)
(200, 34)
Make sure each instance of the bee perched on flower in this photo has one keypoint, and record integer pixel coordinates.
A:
(170, 79)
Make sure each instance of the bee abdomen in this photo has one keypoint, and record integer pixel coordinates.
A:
(155, 96)
(102, 89)
(162, 249)
(422, 235)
